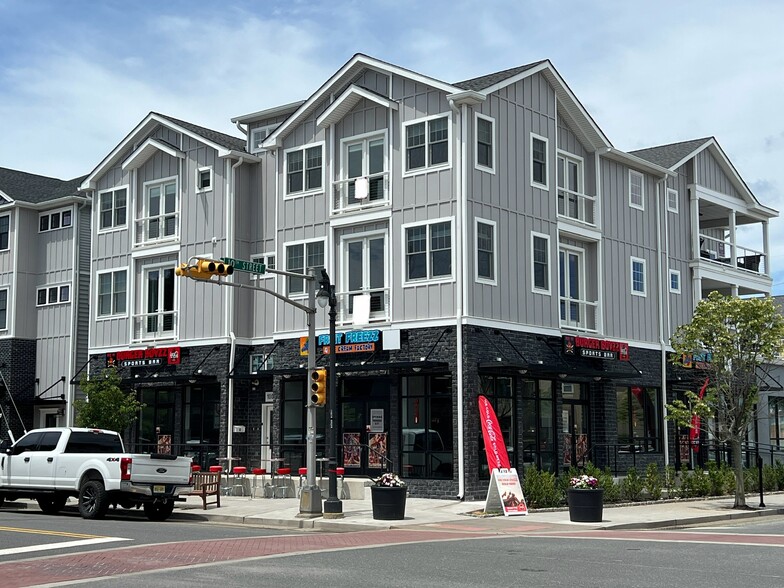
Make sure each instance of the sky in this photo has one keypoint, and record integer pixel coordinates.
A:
(77, 76)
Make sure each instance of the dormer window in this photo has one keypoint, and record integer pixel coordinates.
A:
(258, 135)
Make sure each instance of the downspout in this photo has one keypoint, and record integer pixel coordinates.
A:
(230, 199)
(75, 280)
(663, 291)
(459, 298)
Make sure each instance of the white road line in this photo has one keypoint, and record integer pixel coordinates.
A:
(60, 545)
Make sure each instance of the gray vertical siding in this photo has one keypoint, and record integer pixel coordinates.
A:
(709, 173)
(679, 251)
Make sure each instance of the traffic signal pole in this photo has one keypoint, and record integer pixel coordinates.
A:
(202, 270)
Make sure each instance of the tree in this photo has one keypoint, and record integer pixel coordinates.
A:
(107, 406)
(734, 336)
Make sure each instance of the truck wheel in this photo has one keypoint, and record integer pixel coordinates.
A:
(158, 511)
(93, 500)
(52, 504)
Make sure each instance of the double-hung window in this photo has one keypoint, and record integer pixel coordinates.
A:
(485, 251)
(5, 229)
(540, 262)
(4, 309)
(539, 162)
(160, 316)
(113, 208)
(571, 199)
(638, 276)
(636, 190)
(300, 257)
(428, 251)
(112, 293)
(485, 133)
(366, 271)
(304, 170)
(427, 143)
(161, 211)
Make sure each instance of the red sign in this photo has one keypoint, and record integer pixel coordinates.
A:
(598, 348)
(141, 357)
(694, 432)
(495, 448)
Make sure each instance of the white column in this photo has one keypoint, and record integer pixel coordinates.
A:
(733, 247)
(766, 246)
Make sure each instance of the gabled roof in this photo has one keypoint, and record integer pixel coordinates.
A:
(224, 144)
(34, 189)
(483, 82)
(479, 88)
(669, 155)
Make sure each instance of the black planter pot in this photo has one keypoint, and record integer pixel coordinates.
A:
(585, 506)
(389, 502)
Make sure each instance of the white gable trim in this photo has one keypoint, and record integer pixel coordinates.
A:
(348, 100)
(146, 150)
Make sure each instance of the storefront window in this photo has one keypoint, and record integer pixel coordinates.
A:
(294, 421)
(498, 391)
(157, 417)
(427, 427)
(776, 414)
(538, 425)
(639, 420)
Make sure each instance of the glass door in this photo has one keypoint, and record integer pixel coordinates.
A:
(575, 425)
(364, 420)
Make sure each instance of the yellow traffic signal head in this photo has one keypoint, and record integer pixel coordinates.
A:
(191, 271)
(215, 268)
(318, 387)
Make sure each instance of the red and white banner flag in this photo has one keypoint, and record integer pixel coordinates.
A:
(694, 433)
(495, 448)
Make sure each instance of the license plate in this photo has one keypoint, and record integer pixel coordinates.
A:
(159, 489)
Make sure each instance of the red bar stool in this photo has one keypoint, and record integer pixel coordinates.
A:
(195, 468)
(216, 469)
(239, 479)
(340, 472)
(259, 473)
(282, 482)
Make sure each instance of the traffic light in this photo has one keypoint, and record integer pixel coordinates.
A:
(318, 387)
(204, 269)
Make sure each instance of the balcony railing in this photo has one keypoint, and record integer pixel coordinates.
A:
(379, 304)
(154, 325)
(721, 252)
(344, 192)
(153, 229)
(577, 207)
(579, 315)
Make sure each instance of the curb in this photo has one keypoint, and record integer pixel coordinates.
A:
(675, 523)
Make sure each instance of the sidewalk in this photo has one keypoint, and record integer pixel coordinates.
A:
(358, 514)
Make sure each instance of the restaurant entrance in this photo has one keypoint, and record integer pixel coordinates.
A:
(364, 424)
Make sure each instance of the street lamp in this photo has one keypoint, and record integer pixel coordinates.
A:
(333, 506)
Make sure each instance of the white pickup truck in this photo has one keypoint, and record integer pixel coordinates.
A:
(91, 464)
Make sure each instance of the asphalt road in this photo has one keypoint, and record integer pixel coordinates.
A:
(184, 554)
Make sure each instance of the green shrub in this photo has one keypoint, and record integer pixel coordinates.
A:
(779, 469)
(540, 489)
(670, 480)
(769, 478)
(720, 481)
(653, 481)
(750, 480)
(632, 485)
(700, 482)
(612, 491)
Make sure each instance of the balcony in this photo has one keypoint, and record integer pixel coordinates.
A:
(379, 304)
(577, 207)
(344, 194)
(158, 228)
(719, 251)
(153, 326)
(579, 315)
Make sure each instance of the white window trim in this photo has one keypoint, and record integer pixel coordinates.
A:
(304, 192)
(114, 227)
(199, 170)
(427, 168)
(48, 287)
(8, 216)
(477, 277)
(672, 208)
(644, 292)
(257, 130)
(143, 301)
(642, 190)
(145, 216)
(546, 185)
(494, 143)
(364, 138)
(286, 245)
(675, 273)
(105, 317)
(343, 253)
(6, 328)
(441, 279)
(50, 214)
(534, 289)
(262, 258)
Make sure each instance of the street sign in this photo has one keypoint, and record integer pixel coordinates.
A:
(245, 266)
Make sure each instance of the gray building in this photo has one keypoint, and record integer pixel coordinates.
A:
(44, 278)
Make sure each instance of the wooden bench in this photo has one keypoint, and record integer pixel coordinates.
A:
(207, 484)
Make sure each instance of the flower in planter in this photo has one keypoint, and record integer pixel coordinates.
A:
(389, 480)
(584, 482)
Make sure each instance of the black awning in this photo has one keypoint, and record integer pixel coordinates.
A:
(427, 366)
(167, 378)
(57, 401)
